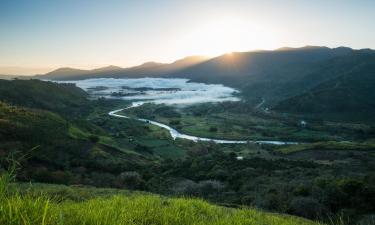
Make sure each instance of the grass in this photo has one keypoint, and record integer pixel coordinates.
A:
(250, 126)
(329, 145)
(164, 148)
(134, 209)
(42, 204)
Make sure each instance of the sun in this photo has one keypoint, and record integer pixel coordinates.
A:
(226, 35)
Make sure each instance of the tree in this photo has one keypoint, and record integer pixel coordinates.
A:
(213, 129)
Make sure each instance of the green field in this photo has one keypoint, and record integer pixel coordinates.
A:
(330, 145)
(57, 139)
(217, 121)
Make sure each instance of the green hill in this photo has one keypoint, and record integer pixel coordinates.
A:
(48, 123)
(350, 95)
(319, 182)
(45, 204)
(57, 149)
(65, 99)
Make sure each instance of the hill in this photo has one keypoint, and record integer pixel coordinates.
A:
(146, 69)
(269, 75)
(92, 148)
(263, 74)
(54, 205)
(7, 77)
(48, 123)
(349, 93)
(232, 68)
(57, 148)
(65, 99)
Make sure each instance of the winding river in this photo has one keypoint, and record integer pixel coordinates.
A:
(175, 134)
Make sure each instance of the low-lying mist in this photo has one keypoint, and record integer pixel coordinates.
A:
(157, 90)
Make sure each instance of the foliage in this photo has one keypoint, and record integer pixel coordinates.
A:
(328, 180)
(66, 99)
(31, 208)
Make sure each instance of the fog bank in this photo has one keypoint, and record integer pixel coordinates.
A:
(157, 90)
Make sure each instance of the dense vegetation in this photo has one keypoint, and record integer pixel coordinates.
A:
(239, 121)
(351, 95)
(65, 99)
(329, 180)
(45, 204)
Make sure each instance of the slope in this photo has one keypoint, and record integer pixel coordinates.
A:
(147, 69)
(349, 95)
(40, 207)
(66, 99)
(262, 74)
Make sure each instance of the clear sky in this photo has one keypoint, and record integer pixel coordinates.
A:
(37, 36)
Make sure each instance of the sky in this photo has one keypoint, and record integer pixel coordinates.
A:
(38, 36)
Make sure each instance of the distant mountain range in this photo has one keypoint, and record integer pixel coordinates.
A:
(296, 80)
(7, 77)
(149, 69)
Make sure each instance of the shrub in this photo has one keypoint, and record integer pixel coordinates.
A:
(213, 129)
(306, 207)
(94, 138)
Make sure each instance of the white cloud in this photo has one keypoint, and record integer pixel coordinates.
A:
(189, 93)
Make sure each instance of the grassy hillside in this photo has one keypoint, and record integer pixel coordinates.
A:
(65, 99)
(45, 204)
(58, 150)
(47, 123)
(350, 95)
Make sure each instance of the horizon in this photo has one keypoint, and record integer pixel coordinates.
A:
(43, 71)
(39, 37)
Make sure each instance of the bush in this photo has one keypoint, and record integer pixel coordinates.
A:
(131, 180)
(306, 207)
(174, 122)
(213, 129)
(94, 138)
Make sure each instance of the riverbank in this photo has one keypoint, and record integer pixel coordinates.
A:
(175, 134)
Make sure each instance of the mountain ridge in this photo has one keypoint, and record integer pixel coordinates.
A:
(273, 76)
(147, 68)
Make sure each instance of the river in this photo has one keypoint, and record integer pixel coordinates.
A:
(175, 134)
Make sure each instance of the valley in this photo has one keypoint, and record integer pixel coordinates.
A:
(199, 112)
(177, 137)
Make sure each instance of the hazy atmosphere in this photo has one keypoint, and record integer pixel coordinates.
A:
(187, 112)
(39, 36)
(157, 90)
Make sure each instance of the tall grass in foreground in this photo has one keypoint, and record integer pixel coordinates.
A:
(30, 209)
(131, 210)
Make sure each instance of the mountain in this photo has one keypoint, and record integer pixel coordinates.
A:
(263, 74)
(66, 99)
(65, 72)
(258, 65)
(273, 77)
(107, 68)
(11, 77)
(150, 69)
(350, 93)
(7, 77)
